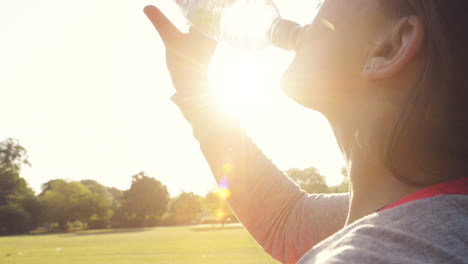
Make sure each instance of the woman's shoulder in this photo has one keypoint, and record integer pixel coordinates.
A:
(432, 230)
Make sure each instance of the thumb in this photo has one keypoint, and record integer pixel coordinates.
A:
(168, 32)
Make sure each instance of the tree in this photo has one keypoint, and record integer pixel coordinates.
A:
(309, 179)
(19, 208)
(185, 209)
(12, 157)
(47, 186)
(343, 187)
(65, 201)
(116, 195)
(116, 205)
(144, 203)
(216, 209)
(103, 202)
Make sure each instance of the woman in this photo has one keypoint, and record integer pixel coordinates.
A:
(389, 77)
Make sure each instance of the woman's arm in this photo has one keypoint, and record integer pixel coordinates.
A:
(284, 220)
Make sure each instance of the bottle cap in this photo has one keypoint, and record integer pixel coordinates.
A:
(285, 34)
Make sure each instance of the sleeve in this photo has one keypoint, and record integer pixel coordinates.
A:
(283, 219)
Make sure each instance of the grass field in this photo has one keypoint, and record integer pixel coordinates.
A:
(121, 246)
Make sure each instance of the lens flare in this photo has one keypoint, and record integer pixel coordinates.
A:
(223, 190)
(227, 168)
(223, 193)
(220, 214)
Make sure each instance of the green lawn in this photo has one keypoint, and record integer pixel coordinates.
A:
(118, 246)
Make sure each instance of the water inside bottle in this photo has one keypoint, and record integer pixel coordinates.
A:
(244, 24)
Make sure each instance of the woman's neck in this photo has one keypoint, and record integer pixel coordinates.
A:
(372, 185)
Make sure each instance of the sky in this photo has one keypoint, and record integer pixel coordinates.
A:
(85, 89)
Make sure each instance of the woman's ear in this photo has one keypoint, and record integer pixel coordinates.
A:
(396, 49)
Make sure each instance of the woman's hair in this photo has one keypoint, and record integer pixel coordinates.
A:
(431, 134)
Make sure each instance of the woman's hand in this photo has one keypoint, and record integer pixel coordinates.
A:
(187, 54)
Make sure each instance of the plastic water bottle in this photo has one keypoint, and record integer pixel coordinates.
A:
(243, 24)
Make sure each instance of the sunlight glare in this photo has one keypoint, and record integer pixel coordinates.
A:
(241, 81)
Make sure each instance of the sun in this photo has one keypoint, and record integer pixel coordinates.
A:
(242, 82)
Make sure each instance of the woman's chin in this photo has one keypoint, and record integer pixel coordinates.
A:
(320, 100)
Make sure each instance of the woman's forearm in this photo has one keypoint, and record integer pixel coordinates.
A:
(283, 219)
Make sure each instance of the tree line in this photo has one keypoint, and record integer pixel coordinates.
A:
(66, 205)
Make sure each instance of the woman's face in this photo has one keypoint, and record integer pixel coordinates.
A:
(331, 53)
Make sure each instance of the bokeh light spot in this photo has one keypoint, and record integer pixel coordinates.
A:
(223, 190)
(227, 168)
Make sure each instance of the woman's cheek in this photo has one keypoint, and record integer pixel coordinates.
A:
(316, 83)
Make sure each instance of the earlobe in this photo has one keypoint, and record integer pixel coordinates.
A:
(404, 41)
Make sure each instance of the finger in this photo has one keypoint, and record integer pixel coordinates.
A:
(168, 32)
